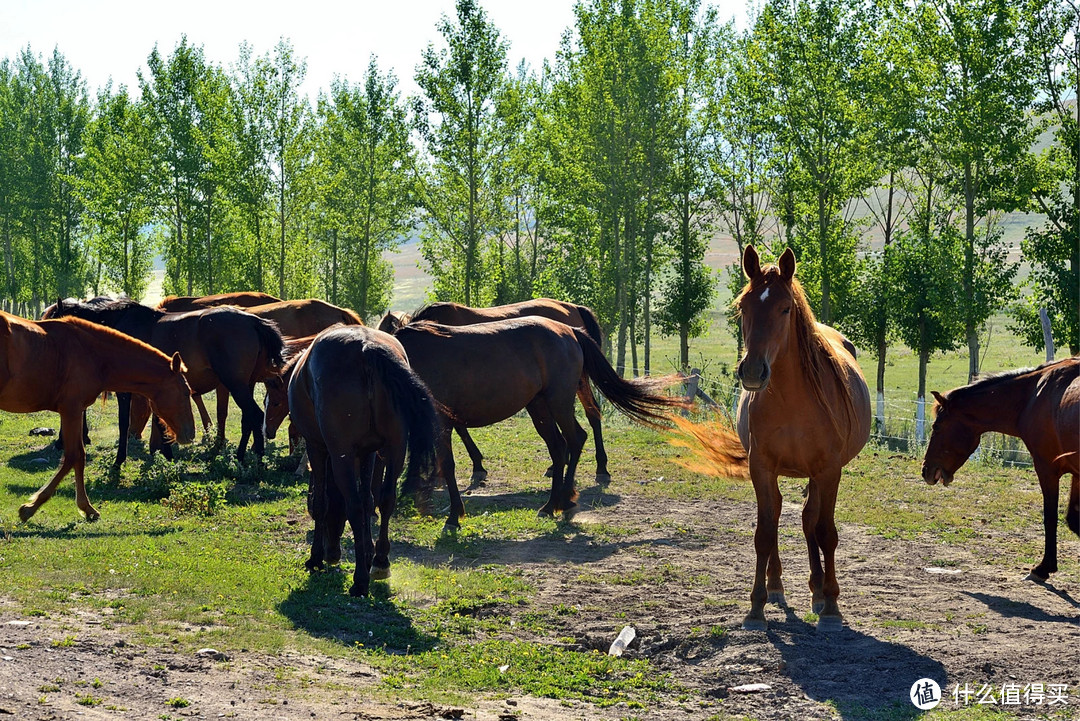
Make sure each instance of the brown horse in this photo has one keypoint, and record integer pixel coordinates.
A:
(1040, 406)
(566, 313)
(352, 394)
(185, 303)
(223, 347)
(63, 365)
(482, 374)
(294, 318)
(804, 412)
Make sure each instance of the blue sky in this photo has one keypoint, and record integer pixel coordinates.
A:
(114, 37)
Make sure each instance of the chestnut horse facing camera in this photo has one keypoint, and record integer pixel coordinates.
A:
(1041, 406)
(63, 365)
(804, 412)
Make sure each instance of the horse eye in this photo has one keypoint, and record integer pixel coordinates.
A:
(785, 311)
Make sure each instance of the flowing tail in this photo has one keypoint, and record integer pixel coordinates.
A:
(639, 398)
(714, 449)
(273, 346)
(592, 326)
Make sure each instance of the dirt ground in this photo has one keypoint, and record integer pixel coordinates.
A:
(976, 623)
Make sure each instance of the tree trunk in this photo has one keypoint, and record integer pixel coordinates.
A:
(969, 274)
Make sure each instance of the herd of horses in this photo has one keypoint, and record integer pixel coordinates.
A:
(371, 403)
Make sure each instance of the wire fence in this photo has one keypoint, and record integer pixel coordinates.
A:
(896, 428)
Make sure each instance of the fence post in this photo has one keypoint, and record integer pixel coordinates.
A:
(920, 419)
(1048, 337)
(690, 384)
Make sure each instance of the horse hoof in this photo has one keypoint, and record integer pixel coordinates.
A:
(545, 512)
(830, 624)
(778, 598)
(569, 513)
(313, 566)
(754, 624)
(26, 512)
(603, 479)
(451, 529)
(1033, 576)
(380, 574)
(478, 477)
(358, 591)
(817, 607)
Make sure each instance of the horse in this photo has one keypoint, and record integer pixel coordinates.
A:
(223, 347)
(484, 373)
(352, 394)
(63, 365)
(804, 412)
(186, 303)
(1040, 406)
(557, 310)
(294, 319)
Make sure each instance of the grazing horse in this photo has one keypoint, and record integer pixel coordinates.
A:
(352, 394)
(484, 373)
(294, 318)
(804, 412)
(63, 365)
(185, 303)
(557, 310)
(1041, 406)
(222, 347)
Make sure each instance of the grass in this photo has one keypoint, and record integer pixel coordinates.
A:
(204, 552)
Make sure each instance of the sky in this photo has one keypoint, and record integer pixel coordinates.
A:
(112, 38)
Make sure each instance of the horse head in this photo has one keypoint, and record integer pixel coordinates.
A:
(392, 322)
(765, 307)
(951, 442)
(276, 406)
(172, 402)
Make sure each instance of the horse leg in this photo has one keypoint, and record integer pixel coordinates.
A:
(317, 504)
(765, 540)
(544, 423)
(157, 438)
(1072, 515)
(204, 416)
(123, 407)
(829, 619)
(810, 515)
(574, 436)
(353, 489)
(74, 456)
(479, 473)
(594, 416)
(773, 583)
(1049, 480)
(380, 566)
(222, 414)
(85, 429)
(251, 420)
(444, 455)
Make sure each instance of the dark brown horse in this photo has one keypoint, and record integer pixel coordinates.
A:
(482, 374)
(294, 318)
(1041, 406)
(222, 347)
(804, 412)
(63, 365)
(186, 303)
(566, 313)
(352, 394)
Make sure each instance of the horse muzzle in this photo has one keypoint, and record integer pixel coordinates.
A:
(936, 473)
(750, 381)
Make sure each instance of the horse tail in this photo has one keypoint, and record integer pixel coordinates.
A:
(273, 348)
(413, 403)
(592, 326)
(639, 398)
(1072, 513)
(714, 449)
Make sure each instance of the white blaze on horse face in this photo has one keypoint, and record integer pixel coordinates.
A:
(764, 294)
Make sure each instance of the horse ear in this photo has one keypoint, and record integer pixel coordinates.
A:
(787, 264)
(939, 398)
(751, 263)
(176, 363)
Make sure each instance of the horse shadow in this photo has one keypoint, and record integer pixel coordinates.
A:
(39, 460)
(1021, 609)
(859, 675)
(322, 607)
(82, 530)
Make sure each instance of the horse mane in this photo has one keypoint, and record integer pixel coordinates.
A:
(990, 381)
(424, 311)
(820, 357)
(427, 326)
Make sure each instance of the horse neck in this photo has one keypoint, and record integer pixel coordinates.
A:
(126, 367)
(997, 406)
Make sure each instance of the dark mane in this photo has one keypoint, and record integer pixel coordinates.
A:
(991, 381)
(426, 326)
(424, 311)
